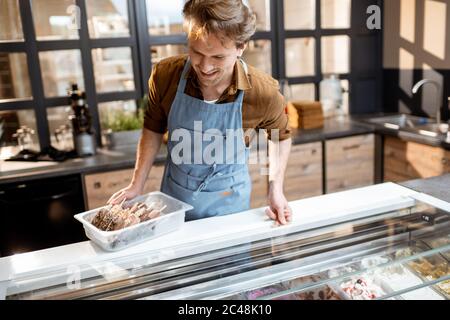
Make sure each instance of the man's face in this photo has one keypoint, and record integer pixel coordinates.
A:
(212, 60)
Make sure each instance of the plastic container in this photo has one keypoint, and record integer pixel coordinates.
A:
(331, 95)
(171, 219)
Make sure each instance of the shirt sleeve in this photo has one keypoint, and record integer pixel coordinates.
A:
(276, 117)
(155, 118)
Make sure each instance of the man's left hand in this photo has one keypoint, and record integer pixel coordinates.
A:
(279, 209)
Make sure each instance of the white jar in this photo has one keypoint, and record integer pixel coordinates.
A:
(331, 95)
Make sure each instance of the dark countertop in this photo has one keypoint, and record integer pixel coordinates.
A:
(117, 159)
(107, 160)
(332, 129)
(104, 160)
(438, 187)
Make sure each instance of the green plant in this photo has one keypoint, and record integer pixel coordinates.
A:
(120, 120)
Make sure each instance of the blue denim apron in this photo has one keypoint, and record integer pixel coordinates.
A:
(213, 188)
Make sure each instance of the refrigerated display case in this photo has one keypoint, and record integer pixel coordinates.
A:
(387, 250)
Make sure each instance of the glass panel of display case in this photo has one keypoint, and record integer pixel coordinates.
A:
(164, 17)
(299, 14)
(300, 60)
(335, 14)
(119, 116)
(261, 8)
(113, 68)
(335, 54)
(159, 53)
(15, 78)
(60, 128)
(10, 22)
(259, 54)
(10, 122)
(415, 274)
(59, 69)
(108, 18)
(303, 92)
(56, 20)
(360, 257)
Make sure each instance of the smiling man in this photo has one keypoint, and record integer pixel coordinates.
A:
(203, 96)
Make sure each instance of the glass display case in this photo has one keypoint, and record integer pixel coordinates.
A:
(400, 253)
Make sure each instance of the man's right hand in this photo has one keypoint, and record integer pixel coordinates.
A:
(127, 193)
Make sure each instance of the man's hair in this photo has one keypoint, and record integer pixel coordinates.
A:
(229, 18)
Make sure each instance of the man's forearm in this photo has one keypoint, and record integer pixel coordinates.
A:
(278, 158)
(148, 148)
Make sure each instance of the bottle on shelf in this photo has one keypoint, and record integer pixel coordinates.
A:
(83, 133)
(331, 95)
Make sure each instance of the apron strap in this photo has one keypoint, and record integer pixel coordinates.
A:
(183, 81)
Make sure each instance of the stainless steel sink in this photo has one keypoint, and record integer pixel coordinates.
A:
(433, 129)
(400, 121)
(418, 125)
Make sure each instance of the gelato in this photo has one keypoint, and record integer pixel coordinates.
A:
(259, 293)
(362, 289)
(440, 242)
(432, 268)
(399, 278)
(321, 293)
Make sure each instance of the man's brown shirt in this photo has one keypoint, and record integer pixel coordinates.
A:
(263, 106)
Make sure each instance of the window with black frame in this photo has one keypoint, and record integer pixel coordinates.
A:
(108, 47)
(166, 36)
(314, 43)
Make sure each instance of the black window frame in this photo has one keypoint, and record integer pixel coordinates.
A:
(140, 42)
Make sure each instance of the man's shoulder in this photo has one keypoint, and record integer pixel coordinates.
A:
(264, 86)
(261, 81)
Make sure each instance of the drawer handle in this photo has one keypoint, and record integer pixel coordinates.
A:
(444, 161)
(355, 146)
(97, 185)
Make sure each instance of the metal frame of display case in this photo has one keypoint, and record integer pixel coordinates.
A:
(361, 82)
(245, 265)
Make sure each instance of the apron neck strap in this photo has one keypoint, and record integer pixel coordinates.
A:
(183, 80)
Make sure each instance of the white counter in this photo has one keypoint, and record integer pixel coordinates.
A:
(213, 233)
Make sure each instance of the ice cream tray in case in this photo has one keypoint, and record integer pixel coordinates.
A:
(170, 220)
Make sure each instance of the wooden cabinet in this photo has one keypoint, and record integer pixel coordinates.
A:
(303, 178)
(350, 162)
(100, 187)
(406, 160)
